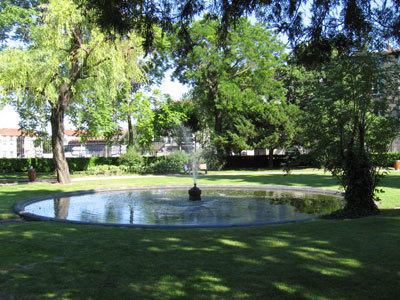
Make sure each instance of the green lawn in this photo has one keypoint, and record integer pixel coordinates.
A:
(323, 259)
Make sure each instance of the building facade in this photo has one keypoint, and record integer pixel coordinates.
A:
(14, 143)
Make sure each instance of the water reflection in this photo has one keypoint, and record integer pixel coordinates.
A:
(61, 207)
(172, 207)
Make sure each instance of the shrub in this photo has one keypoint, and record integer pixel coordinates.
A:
(212, 159)
(173, 163)
(385, 160)
(294, 159)
(133, 160)
(105, 170)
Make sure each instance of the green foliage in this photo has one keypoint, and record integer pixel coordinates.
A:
(147, 164)
(80, 163)
(166, 117)
(298, 82)
(189, 112)
(132, 105)
(384, 159)
(171, 164)
(42, 164)
(47, 164)
(355, 95)
(68, 68)
(106, 170)
(83, 163)
(214, 161)
(381, 133)
(133, 160)
(277, 125)
(154, 116)
(322, 22)
(144, 116)
(14, 164)
(15, 18)
(23, 164)
(230, 82)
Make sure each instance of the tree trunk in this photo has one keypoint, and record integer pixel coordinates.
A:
(271, 158)
(130, 132)
(218, 121)
(359, 192)
(57, 137)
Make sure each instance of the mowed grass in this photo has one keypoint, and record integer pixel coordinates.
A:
(323, 259)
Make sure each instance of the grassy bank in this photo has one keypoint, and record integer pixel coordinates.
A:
(324, 259)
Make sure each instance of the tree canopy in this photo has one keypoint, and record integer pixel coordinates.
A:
(349, 21)
(69, 67)
(354, 111)
(15, 18)
(231, 80)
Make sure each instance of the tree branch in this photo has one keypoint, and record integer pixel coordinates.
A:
(241, 72)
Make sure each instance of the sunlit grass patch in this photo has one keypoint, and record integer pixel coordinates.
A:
(233, 243)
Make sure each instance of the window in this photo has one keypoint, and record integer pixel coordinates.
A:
(20, 146)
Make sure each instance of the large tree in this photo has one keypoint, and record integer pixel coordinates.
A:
(300, 20)
(154, 115)
(276, 126)
(129, 99)
(355, 101)
(230, 80)
(68, 67)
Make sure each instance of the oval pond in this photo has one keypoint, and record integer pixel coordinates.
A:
(171, 207)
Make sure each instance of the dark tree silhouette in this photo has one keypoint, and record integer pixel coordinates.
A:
(301, 20)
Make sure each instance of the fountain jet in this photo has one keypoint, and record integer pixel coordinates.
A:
(194, 192)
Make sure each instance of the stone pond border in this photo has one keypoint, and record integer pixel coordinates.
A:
(19, 208)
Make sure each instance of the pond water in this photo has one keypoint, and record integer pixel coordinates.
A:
(218, 207)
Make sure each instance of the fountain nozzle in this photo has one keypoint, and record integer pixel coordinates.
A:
(194, 193)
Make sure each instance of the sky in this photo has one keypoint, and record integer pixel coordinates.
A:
(9, 118)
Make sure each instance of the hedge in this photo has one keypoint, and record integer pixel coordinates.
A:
(10, 165)
(386, 160)
(83, 163)
(251, 162)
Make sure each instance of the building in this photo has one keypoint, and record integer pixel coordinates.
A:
(93, 147)
(15, 143)
(395, 145)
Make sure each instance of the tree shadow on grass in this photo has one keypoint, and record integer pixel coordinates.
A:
(391, 180)
(350, 259)
(309, 180)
